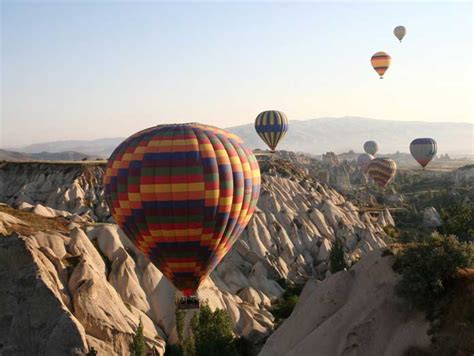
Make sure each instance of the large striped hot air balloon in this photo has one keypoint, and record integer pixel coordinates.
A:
(399, 32)
(382, 170)
(363, 161)
(423, 150)
(380, 61)
(183, 194)
(271, 126)
(371, 147)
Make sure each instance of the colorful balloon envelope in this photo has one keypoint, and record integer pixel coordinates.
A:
(363, 161)
(423, 150)
(382, 170)
(400, 32)
(381, 61)
(183, 194)
(271, 126)
(371, 147)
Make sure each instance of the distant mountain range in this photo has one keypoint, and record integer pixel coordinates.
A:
(315, 136)
(102, 147)
(343, 134)
(6, 155)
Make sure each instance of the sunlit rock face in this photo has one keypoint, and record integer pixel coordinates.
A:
(104, 286)
(353, 312)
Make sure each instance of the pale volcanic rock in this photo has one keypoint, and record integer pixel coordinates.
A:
(388, 217)
(125, 281)
(102, 312)
(431, 218)
(25, 206)
(7, 221)
(108, 284)
(44, 211)
(351, 312)
(324, 250)
(48, 212)
(26, 328)
(252, 296)
(80, 245)
(56, 242)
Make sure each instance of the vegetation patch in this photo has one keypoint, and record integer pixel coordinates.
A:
(284, 307)
(34, 222)
(336, 257)
(210, 334)
(428, 268)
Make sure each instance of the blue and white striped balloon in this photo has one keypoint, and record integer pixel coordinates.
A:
(271, 126)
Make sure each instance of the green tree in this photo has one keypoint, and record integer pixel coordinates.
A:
(428, 267)
(457, 220)
(336, 257)
(212, 332)
(287, 303)
(137, 347)
(211, 335)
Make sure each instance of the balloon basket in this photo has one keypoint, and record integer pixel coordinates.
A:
(191, 302)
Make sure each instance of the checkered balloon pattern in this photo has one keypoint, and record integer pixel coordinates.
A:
(183, 194)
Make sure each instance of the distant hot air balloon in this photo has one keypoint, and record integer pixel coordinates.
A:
(423, 150)
(183, 194)
(382, 170)
(381, 61)
(371, 147)
(400, 32)
(363, 161)
(271, 126)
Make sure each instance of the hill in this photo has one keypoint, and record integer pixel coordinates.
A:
(317, 136)
(6, 155)
(102, 147)
(343, 134)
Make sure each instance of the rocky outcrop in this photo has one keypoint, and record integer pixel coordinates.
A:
(55, 189)
(34, 316)
(354, 312)
(107, 286)
(431, 218)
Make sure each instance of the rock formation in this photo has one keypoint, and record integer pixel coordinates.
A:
(100, 286)
(353, 312)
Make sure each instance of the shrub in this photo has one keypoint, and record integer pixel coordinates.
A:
(285, 306)
(137, 347)
(428, 267)
(336, 257)
(91, 352)
(283, 282)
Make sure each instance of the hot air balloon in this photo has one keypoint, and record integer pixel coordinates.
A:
(182, 194)
(271, 126)
(381, 61)
(363, 161)
(371, 147)
(423, 150)
(382, 170)
(399, 32)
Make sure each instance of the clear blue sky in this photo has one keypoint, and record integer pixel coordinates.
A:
(84, 70)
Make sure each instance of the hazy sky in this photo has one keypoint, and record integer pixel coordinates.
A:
(84, 70)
